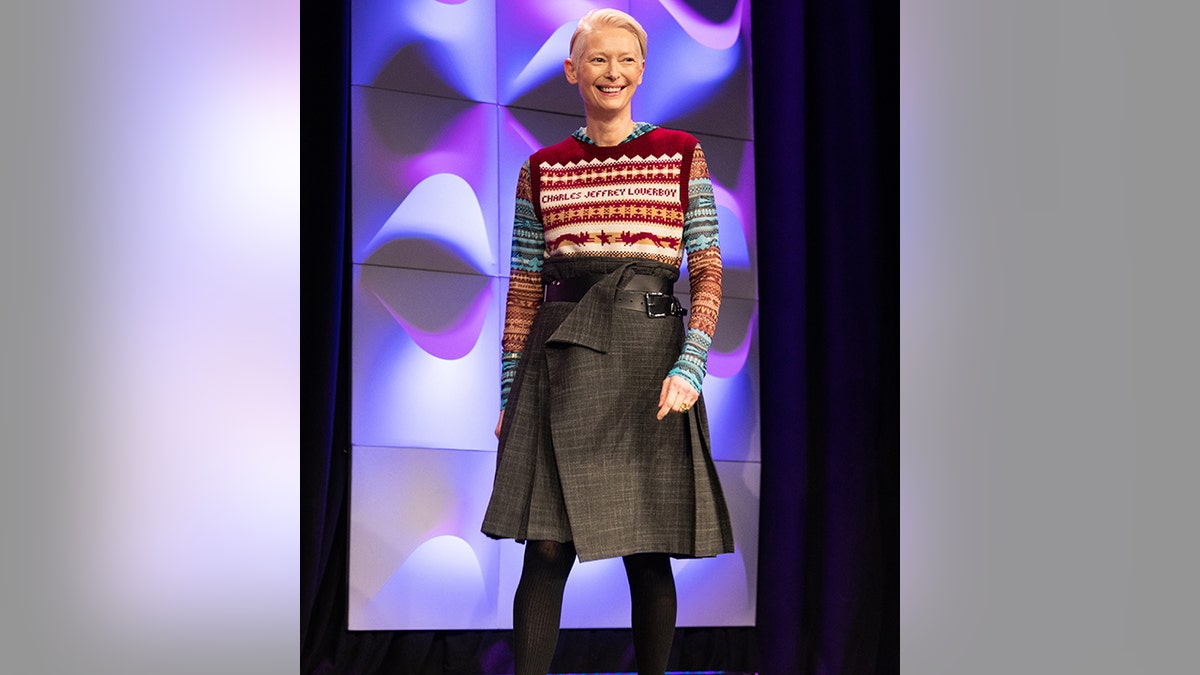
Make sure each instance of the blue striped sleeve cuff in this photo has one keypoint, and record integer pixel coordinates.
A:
(508, 372)
(693, 361)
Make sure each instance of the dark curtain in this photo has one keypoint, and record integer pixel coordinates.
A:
(827, 158)
(324, 412)
(827, 154)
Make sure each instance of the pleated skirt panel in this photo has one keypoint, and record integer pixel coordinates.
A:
(583, 458)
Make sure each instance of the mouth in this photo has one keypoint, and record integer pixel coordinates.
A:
(610, 89)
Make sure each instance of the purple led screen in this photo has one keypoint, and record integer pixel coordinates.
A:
(447, 100)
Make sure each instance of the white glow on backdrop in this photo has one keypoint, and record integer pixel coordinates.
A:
(735, 248)
(457, 38)
(442, 578)
(546, 64)
(458, 34)
(456, 341)
(424, 186)
(681, 72)
(724, 361)
(420, 561)
(442, 208)
(713, 36)
(405, 394)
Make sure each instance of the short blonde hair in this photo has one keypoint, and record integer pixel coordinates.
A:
(605, 18)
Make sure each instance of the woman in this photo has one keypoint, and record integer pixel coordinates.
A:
(604, 447)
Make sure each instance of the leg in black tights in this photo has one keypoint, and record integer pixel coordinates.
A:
(652, 593)
(537, 605)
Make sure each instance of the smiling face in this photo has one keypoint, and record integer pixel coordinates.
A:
(608, 71)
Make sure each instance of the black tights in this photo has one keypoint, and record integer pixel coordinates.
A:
(537, 606)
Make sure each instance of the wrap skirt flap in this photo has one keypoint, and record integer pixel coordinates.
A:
(714, 532)
(583, 457)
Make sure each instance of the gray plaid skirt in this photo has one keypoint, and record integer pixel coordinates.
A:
(582, 457)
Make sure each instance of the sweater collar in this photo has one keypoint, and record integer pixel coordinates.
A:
(639, 129)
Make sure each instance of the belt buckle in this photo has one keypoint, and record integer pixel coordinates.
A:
(673, 308)
(650, 312)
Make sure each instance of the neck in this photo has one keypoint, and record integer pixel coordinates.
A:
(609, 132)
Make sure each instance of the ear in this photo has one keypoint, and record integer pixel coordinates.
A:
(569, 69)
(641, 72)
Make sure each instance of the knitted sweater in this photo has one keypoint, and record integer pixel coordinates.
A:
(649, 197)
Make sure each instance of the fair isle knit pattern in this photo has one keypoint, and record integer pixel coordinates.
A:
(650, 197)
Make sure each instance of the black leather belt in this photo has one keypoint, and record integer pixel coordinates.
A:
(644, 293)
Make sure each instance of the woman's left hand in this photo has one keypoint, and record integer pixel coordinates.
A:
(677, 396)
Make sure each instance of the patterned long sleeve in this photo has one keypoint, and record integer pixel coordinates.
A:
(702, 244)
(525, 283)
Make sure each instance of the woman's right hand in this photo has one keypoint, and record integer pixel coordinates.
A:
(498, 423)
